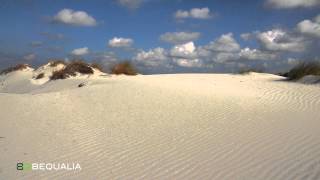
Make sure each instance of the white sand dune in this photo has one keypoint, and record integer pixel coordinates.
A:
(185, 126)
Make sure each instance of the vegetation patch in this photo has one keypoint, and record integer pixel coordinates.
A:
(303, 69)
(39, 76)
(81, 85)
(72, 69)
(18, 67)
(124, 68)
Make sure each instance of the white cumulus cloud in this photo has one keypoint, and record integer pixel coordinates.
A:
(185, 55)
(225, 43)
(29, 57)
(223, 57)
(153, 57)
(279, 40)
(246, 36)
(255, 54)
(179, 37)
(196, 13)
(120, 42)
(182, 14)
(184, 50)
(310, 27)
(76, 18)
(80, 51)
(188, 62)
(286, 4)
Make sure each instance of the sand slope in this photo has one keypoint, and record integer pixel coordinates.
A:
(186, 126)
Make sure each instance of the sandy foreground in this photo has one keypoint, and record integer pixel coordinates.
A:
(185, 126)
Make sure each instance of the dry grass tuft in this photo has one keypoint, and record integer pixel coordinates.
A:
(58, 75)
(124, 68)
(39, 76)
(72, 69)
(18, 67)
(304, 69)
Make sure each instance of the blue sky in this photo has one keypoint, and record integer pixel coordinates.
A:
(161, 36)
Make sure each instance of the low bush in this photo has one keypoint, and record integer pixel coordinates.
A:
(72, 69)
(39, 76)
(304, 69)
(58, 75)
(18, 67)
(283, 74)
(78, 66)
(124, 68)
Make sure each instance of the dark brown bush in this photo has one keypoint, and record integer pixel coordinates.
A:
(304, 69)
(71, 69)
(78, 66)
(39, 76)
(283, 74)
(18, 67)
(81, 84)
(58, 75)
(124, 68)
